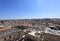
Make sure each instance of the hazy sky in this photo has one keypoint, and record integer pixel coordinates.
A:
(18, 9)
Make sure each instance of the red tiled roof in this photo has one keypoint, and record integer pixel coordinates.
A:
(3, 29)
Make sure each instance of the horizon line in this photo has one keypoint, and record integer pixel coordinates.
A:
(27, 18)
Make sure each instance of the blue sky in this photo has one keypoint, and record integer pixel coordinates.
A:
(20, 9)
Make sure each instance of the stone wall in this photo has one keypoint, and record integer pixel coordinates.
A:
(12, 36)
(47, 37)
(50, 37)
